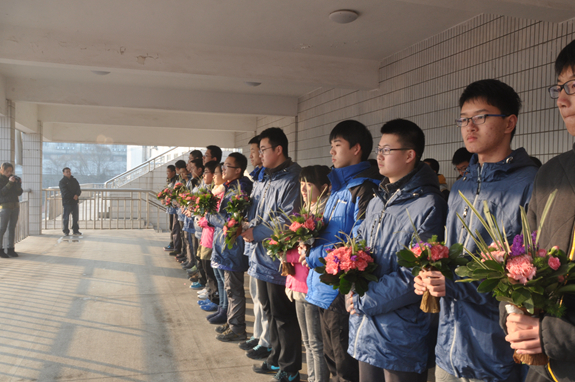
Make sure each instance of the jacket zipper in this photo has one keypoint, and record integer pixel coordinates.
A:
(373, 237)
(465, 244)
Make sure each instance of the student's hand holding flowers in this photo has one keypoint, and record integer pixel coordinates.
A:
(524, 334)
(433, 281)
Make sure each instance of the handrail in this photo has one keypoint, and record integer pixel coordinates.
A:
(140, 165)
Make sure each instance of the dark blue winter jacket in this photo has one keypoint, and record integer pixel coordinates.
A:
(470, 341)
(352, 188)
(280, 194)
(390, 331)
(258, 176)
(222, 257)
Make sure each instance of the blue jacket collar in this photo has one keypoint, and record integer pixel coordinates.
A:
(258, 174)
(342, 177)
(498, 170)
(419, 181)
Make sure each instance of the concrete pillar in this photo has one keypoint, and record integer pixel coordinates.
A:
(7, 134)
(32, 177)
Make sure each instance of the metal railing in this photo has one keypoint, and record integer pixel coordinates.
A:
(147, 166)
(22, 226)
(128, 208)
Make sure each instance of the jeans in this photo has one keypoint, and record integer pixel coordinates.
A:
(309, 324)
(220, 278)
(370, 373)
(236, 294)
(285, 335)
(8, 220)
(443, 376)
(70, 209)
(261, 326)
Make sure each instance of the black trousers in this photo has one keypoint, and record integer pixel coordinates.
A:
(335, 332)
(211, 282)
(177, 235)
(203, 279)
(234, 284)
(70, 209)
(193, 248)
(285, 334)
(370, 373)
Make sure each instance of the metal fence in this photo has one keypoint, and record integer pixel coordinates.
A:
(22, 227)
(108, 209)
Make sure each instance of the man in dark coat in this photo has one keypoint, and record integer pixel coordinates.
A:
(70, 190)
(10, 190)
(553, 336)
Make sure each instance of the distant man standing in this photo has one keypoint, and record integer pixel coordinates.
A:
(70, 190)
(10, 190)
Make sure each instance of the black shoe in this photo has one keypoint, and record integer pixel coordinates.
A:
(12, 253)
(229, 335)
(249, 344)
(174, 253)
(169, 248)
(259, 352)
(264, 368)
(66, 233)
(222, 328)
(284, 376)
(3, 254)
(77, 233)
(186, 265)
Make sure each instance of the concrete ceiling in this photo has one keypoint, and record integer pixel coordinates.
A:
(175, 61)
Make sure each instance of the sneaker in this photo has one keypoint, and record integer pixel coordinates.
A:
(229, 335)
(249, 344)
(77, 233)
(222, 328)
(203, 302)
(169, 248)
(197, 285)
(259, 352)
(203, 295)
(264, 368)
(202, 290)
(220, 318)
(209, 307)
(12, 253)
(174, 253)
(284, 376)
(3, 254)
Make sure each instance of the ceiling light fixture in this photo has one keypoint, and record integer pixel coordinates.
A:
(253, 83)
(343, 16)
(100, 72)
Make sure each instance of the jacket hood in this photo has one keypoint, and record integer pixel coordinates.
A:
(292, 170)
(258, 174)
(354, 175)
(244, 182)
(496, 171)
(421, 180)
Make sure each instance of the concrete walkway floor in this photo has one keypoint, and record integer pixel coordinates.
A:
(112, 307)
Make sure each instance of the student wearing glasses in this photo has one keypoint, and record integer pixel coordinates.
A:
(471, 345)
(547, 334)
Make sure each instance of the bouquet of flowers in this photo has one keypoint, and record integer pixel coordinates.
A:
(206, 203)
(185, 198)
(164, 194)
(348, 266)
(276, 244)
(530, 279)
(237, 207)
(431, 255)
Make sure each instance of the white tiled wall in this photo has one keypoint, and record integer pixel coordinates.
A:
(7, 134)
(423, 83)
(32, 178)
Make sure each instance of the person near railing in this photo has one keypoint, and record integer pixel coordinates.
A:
(10, 190)
(171, 211)
(70, 190)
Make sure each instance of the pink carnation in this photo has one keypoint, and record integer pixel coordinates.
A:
(273, 242)
(309, 224)
(364, 256)
(178, 185)
(295, 226)
(332, 264)
(521, 269)
(416, 251)
(542, 253)
(494, 255)
(361, 264)
(439, 252)
(225, 230)
(232, 223)
(554, 263)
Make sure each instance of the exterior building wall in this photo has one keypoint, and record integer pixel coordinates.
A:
(423, 83)
(32, 178)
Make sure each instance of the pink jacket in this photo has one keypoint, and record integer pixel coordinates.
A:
(207, 239)
(298, 282)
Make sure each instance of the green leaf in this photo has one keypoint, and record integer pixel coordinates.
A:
(455, 251)
(407, 255)
(344, 286)
(487, 286)
(520, 295)
(370, 277)
(567, 289)
(494, 265)
(528, 304)
(322, 260)
(320, 270)
(463, 271)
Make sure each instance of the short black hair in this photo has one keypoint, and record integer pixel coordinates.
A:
(180, 164)
(240, 160)
(495, 93)
(196, 154)
(355, 133)
(255, 141)
(461, 155)
(408, 133)
(211, 166)
(433, 164)
(565, 59)
(6, 165)
(171, 167)
(317, 175)
(216, 152)
(277, 137)
(198, 163)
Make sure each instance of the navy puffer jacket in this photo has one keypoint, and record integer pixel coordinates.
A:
(390, 331)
